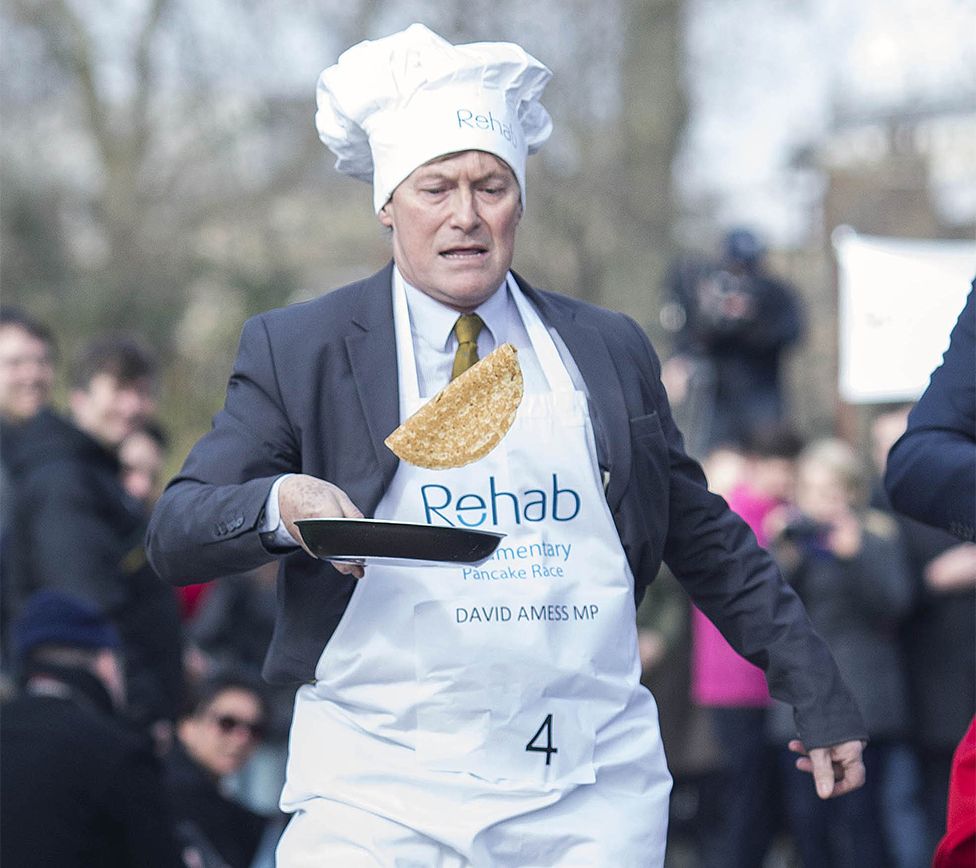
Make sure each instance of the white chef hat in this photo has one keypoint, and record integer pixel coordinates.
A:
(390, 105)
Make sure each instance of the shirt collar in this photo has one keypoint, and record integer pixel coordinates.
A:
(433, 321)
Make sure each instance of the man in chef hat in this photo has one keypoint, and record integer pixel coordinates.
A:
(491, 715)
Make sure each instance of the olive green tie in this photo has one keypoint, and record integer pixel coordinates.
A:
(466, 330)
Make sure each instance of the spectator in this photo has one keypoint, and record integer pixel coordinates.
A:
(217, 737)
(938, 640)
(847, 564)
(76, 787)
(77, 529)
(740, 801)
(155, 620)
(733, 323)
(233, 628)
(26, 366)
(142, 457)
(931, 476)
(26, 379)
(79, 523)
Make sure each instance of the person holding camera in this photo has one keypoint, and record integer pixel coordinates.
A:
(733, 322)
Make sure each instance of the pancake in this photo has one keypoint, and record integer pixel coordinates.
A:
(465, 420)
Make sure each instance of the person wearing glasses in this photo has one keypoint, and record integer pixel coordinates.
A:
(215, 739)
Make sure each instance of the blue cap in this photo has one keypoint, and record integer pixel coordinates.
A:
(56, 618)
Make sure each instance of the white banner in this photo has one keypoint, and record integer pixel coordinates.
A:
(899, 299)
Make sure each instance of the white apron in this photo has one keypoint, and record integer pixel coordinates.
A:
(487, 715)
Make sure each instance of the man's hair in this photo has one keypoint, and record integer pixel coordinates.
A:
(123, 357)
(15, 316)
(840, 458)
(201, 697)
(776, 441)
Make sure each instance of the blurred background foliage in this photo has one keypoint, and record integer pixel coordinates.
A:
(161, 172)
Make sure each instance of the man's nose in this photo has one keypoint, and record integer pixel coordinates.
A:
(136, 402)
(132, 404)
(129, 402)
(30, 368)
(464, 211)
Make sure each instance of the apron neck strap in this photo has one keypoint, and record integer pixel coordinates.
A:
(409, 380)
(542, 342)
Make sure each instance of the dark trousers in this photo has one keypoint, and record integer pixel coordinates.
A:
(738, 800)
(845, 832)
(936, 768)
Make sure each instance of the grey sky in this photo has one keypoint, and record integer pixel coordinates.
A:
(765, 77)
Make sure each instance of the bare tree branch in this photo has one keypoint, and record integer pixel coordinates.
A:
(69, 43)
(143, 71)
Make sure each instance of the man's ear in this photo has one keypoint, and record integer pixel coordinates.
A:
(385, 217)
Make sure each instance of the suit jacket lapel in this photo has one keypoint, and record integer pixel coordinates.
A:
(592, 357)
(373, 358)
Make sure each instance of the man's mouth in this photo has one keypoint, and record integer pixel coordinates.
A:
(464, 252)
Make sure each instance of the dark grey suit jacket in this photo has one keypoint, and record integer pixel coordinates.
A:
(314, 390)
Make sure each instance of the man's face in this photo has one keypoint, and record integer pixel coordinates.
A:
(223, 736)
(26, 374)
(110, 410)
(142, 462)
(453, 222)
(821, 493)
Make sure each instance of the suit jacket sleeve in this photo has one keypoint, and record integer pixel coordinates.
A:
(738, 586)
(931, 472)
(206, 523)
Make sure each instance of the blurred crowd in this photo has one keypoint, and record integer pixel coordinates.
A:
(136, 729)
(894, 599)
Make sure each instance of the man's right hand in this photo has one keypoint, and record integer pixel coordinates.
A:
(301, 496)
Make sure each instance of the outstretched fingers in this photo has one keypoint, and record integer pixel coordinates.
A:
(836, 770)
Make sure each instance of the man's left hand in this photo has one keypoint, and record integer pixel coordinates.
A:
(836, 770)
